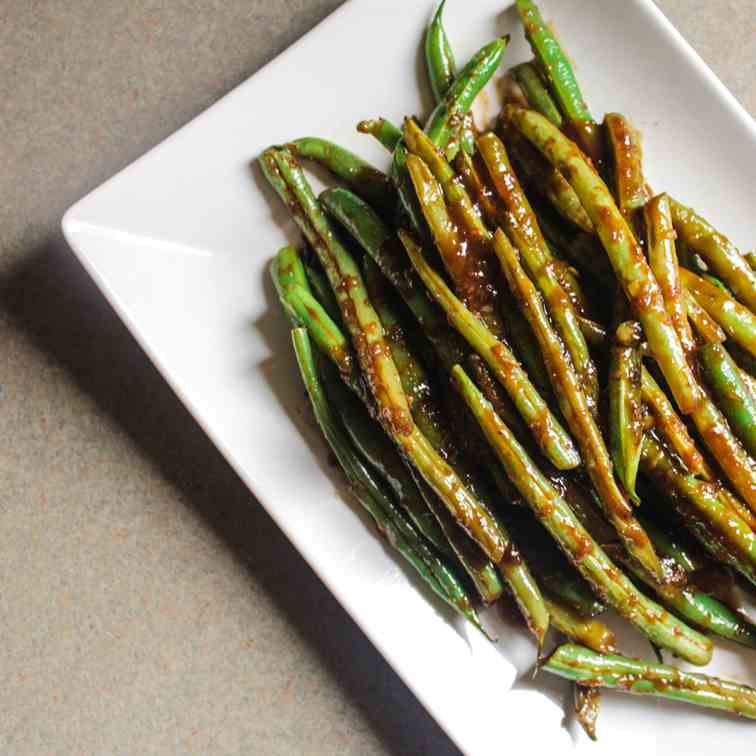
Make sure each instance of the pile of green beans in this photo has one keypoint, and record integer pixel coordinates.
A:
(509, 336)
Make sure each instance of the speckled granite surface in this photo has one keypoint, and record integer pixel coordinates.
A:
(219, 639)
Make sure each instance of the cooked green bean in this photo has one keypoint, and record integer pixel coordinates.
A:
(470, 265)
(399, 533)
(633, 676)
(732, 395)
(368, 438)
(645, 297)
(323, 292)
(365, 180)
(525, 346)
(705, 327)
(302, 307)
(575, 409)
(625, 147)
(481, 570)
(586, 555)
(460, 204)
(669, 424)
(551, 438)
(401, 180)
(384, 247)
(587, 703)
(670, 544)
(383, 130)
(531, 83)
(724, 260)
(375, 359)
(521, 225)
(698, 608)
(460, 97)
(662, 257)
(625, 409)
(590, 632)
(439, 58)
(704, 512)
(540, 176)
(627, 258)
(557, 69)
(428, 514)
(737, 321)
(414, 379)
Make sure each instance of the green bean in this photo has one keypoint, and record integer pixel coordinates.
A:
(551, 438)
(590, 632)
(383, 130)
(302, 308)
(493, 391)
(662, 257)
(412, 375)
(470, 266)
(323, 292)
(542, 177)
(531, 83)
(368, 438)
(368, 182)
(582, 249)
(594, 333)
(585, 506)
(426, 411)
(386, 250)
(625, 421)
(359, 317)
(668, 544)
(669, 424)
(586, 555)
(719, 253)
(556, 66)
(288, 270)
(392, 406)
(569, 279)
(470, 168)
(479, 568)
(550, 567)
(633, 676)
(572, 591)
(698, 608)
(737, 321)
(522, 226)
(459, 99)
(375, 360)
(575, 409)
(750, 258)
(625, 254)
(418, 143)
(401, 180)
(439, 58)
(706, 328)
(587, 702)
(644, 294)
(707, 516)
(625, 147)
(525, 346)
(399, 533)
(714, 281)
(732, 395)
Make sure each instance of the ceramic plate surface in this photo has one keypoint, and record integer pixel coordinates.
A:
(179, 243)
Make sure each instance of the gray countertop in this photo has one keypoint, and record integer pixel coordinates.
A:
(147, 603)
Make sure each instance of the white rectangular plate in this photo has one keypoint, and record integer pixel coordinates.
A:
(179, 243)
